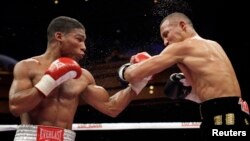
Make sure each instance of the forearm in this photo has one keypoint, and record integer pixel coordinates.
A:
(120, 101)
(149, 67)
(24, 101)
(135, 73)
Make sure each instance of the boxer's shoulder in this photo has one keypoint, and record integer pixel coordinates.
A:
(31, 60)
(86, 74)
(29, 65)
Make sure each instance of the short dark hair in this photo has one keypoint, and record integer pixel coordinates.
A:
(62, 24)
(176, 16)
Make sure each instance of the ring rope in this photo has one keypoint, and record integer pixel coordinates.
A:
(122, 126)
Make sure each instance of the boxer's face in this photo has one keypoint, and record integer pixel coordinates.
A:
(74, 44)
(170, 32)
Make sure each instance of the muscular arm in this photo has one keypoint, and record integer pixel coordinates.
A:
(168, 57)
(23, 97)
(100, 99)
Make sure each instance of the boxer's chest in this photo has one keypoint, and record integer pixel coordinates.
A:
(68, 89)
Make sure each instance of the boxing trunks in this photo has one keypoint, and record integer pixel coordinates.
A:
(225, 111)
(224, 115)
(43, 133)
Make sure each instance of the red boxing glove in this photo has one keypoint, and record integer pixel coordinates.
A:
(59, 71)
(139, 57)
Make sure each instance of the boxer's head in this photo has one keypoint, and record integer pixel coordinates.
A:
(175, 28)
(62, 24)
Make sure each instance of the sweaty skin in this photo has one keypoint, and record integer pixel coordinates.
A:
(59, 108)
(203, 62)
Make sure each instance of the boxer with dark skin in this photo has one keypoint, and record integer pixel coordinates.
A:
(46, 89)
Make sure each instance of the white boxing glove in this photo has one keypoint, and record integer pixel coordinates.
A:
(138, 86)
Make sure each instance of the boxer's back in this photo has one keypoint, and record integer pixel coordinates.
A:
(209, 70)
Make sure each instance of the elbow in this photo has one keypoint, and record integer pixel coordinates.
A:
(14, 110)
(114, 113)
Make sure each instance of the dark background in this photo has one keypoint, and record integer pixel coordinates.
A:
(130, 26)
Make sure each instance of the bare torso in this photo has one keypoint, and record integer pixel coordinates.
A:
(209, 70)
(59, 108)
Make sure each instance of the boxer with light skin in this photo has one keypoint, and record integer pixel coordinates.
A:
(205, 66)
(46, 89)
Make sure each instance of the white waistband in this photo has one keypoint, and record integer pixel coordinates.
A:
(29, 133)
